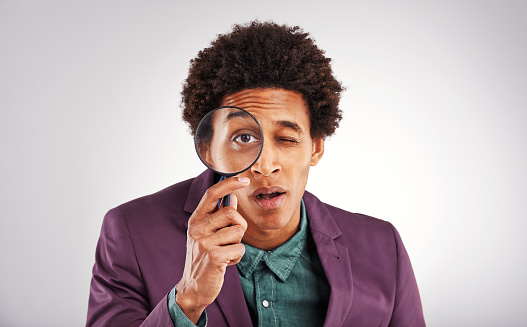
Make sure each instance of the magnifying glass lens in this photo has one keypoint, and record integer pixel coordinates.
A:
(228, 140)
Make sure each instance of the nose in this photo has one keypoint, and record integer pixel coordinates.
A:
(268, 163)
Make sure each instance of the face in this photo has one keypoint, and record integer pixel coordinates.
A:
(278, 179)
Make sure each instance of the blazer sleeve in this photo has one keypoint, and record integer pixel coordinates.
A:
(407, 310)
(118, 296)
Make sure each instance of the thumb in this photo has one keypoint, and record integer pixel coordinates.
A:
(234, 201)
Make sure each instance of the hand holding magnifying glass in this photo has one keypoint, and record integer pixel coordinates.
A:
(228, 141)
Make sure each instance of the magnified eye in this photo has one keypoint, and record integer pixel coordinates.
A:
(245, 138)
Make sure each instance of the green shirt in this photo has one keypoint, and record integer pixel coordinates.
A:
(283, 287)
(286, 286)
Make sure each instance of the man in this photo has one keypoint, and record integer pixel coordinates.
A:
(277, 256)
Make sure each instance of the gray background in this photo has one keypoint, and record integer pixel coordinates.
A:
(433, 139)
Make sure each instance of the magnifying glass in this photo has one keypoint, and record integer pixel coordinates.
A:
(228, 140)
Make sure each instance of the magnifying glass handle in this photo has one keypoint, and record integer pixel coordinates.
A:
(226, 199)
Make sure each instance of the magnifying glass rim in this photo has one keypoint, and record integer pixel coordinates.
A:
(238, 172)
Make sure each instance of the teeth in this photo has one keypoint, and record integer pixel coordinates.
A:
(267, 196)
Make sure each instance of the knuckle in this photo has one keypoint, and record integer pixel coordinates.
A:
(236, 261)
(235, 218)
(230, 211)
(193, 220)
(210, 192)
(208, 223)
(216, 255)
(191, 232)
(240, 249)
(202, 245)
(194, 231)
(239, 230)
(243, 224)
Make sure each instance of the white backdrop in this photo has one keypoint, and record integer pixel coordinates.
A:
(433, 138)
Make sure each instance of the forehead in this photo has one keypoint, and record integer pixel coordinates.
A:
(271, 105)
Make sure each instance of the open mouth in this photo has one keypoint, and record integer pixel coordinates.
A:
(268, 196)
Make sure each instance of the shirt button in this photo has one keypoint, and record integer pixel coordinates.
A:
(265, 303)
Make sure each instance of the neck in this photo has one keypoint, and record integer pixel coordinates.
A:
(266, 239)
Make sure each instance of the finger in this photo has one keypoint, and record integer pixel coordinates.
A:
(233, 262)
(234, 201)
(221, 203)
(224, 217)
(227, 254)
(214, 193)
(226, 236)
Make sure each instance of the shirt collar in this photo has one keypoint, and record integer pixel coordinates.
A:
(280, 260)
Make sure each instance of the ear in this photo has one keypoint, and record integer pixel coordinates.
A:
(318, 151)
(204, 153)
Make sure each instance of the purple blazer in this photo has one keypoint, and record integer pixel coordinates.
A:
(140, 256)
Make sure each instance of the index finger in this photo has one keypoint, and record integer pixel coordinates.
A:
(210, 199)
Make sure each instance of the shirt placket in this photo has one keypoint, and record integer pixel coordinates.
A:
(265, 295)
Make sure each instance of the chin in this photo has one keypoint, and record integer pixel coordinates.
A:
(267, 219)
(272, 221)
(269, 225)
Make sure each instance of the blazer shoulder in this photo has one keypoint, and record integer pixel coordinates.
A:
(333, 221)
(168, 200)
(368, 237)
(361, 229)
(357, 220)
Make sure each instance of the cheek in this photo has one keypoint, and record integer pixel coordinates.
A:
(243, 196)
(297, 169)
(298, 159)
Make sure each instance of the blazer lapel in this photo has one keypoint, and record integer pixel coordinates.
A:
(334, 258)
(231, 300)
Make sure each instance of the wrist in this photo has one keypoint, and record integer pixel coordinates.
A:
(188, 305)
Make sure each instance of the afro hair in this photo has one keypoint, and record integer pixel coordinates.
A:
(263, 55)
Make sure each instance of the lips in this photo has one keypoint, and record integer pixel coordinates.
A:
(269, 197)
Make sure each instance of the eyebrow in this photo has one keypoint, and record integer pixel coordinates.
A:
(283, 123)
(289, 124)
(236, 113)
